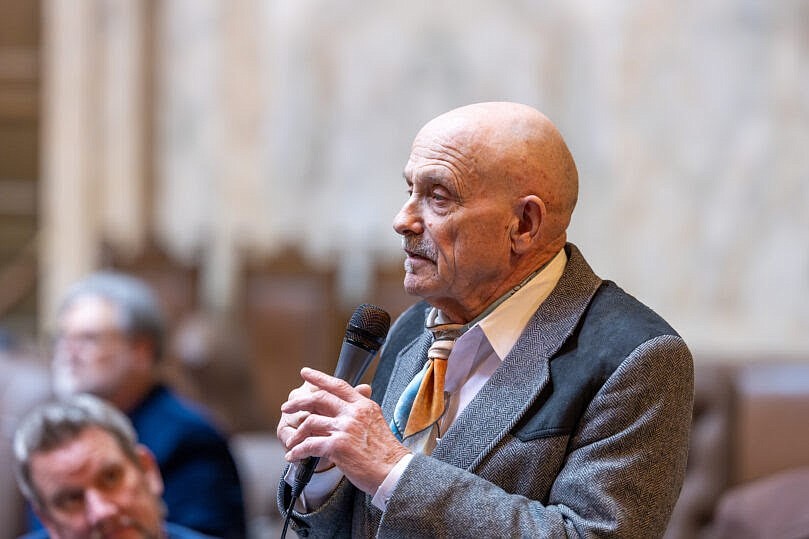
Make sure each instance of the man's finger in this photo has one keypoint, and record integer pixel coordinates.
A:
(313, 426)
(320, 402)
(364, 390)
(333, 385)
(313, 446)
(294, 420)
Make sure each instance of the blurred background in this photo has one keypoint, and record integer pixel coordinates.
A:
(245, 157)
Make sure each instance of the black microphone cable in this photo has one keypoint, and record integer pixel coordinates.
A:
(302, 476)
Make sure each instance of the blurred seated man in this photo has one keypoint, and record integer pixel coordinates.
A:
(79, 465)
(109, 343)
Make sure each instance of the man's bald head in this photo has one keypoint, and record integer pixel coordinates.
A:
(491, 190)
(514, 147)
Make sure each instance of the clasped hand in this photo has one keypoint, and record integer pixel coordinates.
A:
(327, 418)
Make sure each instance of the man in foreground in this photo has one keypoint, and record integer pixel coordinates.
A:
(79, 465)
(524, 396)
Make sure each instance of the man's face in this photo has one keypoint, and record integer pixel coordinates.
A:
(91, 353)
(455, 228)
(89, 488)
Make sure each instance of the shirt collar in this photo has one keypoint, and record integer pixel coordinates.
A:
(505, 324)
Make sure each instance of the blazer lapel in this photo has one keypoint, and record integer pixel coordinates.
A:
(409, 361)
(518, 381)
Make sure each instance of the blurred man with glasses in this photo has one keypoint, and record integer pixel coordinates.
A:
(109, 342)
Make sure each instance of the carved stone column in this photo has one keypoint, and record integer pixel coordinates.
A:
(92, 137)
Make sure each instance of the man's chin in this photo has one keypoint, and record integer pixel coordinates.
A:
(128, 528)
(416, 286)
(64, 389)
(125, 533)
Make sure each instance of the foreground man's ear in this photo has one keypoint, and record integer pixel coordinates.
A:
(148, 463)
(531, 214)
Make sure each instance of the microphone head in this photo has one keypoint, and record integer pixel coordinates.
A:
(368, 326)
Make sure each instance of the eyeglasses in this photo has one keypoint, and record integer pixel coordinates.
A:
(85, 340)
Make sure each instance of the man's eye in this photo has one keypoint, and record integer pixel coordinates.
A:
(111, 477)
(69, 502)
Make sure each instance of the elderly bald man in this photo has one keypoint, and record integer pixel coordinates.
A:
(524, 396)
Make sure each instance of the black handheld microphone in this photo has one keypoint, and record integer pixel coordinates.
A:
(365, 334)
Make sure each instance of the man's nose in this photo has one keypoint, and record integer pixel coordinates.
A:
(408, 220)
(99, 507)
(67, 345)
(66, 352)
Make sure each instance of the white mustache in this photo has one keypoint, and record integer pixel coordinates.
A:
(418, 246)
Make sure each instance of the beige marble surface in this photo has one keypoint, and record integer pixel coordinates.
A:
(290, 122)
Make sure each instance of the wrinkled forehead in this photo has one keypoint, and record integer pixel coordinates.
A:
(474, 144)
(439, 157)
(458, 129)
(451, 142)
(76, 457)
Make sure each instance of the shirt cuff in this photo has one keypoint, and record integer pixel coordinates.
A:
(383, 493)
(318, 489)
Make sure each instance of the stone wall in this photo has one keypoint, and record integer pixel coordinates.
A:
(279, 123)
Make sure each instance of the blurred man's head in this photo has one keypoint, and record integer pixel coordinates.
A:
(78, 463)
(109, 337)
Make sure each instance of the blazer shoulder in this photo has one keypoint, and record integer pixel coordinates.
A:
(611, 328)
(616, 312)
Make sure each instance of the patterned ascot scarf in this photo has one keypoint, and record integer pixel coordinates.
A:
(415, 419)
(424, 401)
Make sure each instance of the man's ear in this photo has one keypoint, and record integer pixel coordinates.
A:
(148, 464)
(530, 213)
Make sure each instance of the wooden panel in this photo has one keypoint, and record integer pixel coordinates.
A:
(19, 22)
(772, 402)
(175, 284)
(388, 291)
(289, 315)
(18, 198)
(19, 164)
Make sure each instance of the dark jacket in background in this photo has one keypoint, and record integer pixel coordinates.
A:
(201, 484)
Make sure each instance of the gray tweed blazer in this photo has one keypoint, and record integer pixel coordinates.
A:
(582, 431)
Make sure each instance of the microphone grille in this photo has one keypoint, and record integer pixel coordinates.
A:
(371, 319)
(368, 327)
